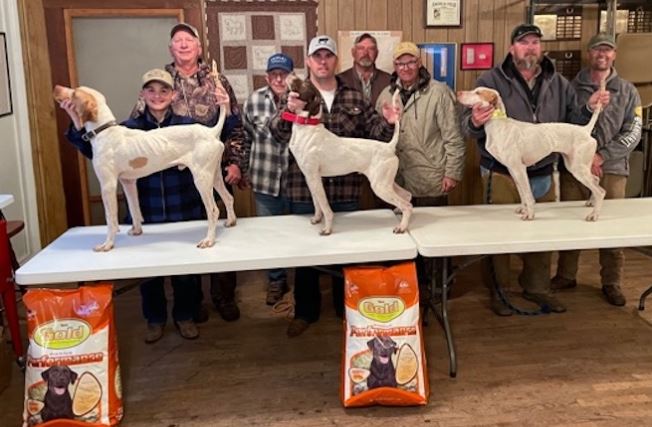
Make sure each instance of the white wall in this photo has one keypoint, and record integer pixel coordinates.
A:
(16, 170)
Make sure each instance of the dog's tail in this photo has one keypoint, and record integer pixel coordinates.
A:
(594, 118)
(397, 125)
(217, 129)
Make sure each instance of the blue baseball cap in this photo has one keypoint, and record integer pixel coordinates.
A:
(280, 61)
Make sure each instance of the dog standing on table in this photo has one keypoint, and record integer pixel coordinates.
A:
(123, 154)
(518, 145)
(320, 153)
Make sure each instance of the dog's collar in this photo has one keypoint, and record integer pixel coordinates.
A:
(498, 114)
(289, 117)
(93, 133)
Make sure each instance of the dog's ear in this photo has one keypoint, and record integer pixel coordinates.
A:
(46, 375)
(489, 96)
(314, 97)
(370, 344)
(86, 106)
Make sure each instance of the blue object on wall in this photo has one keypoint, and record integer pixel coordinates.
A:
(443, 61)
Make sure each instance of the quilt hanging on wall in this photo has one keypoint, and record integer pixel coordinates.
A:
(243, 34)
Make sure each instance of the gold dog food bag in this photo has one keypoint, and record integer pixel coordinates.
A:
(72, 376)
(384, 361)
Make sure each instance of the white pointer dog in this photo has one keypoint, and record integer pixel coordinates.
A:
(123, 154)
(320, 153)
(518, 145)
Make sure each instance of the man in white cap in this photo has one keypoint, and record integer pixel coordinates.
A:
(532, 91)
(617, 131)
(268, 160)
(346, 113)
(431, 149)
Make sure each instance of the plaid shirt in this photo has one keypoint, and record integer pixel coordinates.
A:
(166, 196)
(268, 159)
(350, 116)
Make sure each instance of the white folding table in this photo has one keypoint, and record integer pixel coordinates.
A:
(497, 229)
(254, 243)
(6, 200)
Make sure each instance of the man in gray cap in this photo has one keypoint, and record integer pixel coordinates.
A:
(617, 131)
(534, 92)
(346, 113)
(363, 75)
(268, 160)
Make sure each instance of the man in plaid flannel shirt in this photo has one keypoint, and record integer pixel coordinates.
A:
(346, 113)
(268, 160)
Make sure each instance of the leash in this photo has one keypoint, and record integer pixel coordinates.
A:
(93, 133)
(543, 309)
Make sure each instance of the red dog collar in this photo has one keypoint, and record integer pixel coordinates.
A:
(289, 117)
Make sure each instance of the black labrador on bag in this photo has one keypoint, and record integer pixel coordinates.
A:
(382, 371)
(57, 401)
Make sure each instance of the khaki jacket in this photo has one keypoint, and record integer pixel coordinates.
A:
(430, 144)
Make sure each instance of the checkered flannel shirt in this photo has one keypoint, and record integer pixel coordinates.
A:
(350, 116)
(268, 159)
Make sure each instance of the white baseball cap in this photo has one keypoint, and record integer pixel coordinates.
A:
(322, 42)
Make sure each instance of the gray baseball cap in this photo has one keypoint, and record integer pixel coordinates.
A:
(602, 39)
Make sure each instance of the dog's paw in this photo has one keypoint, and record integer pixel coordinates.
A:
(135, 231)
(527, 216)
(205, 243)
(315, 220)
(589, 203)
(325, 232)
(230, 222)
(104, 247)
(593, 216)
(399, 230)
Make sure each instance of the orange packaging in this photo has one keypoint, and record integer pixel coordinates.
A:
(384, 358)
(72, 376)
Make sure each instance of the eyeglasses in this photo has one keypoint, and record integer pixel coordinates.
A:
(408, 64)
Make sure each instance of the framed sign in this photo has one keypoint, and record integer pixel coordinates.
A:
(440, 61)
(443, 13)
(5, 84)
(477, 56)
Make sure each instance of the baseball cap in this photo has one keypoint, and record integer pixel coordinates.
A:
(182, 26)
(405, 48)
(523, 30)
(280, 61)
(365, 36)
(322, 42)
(602, 39)
(158, 75)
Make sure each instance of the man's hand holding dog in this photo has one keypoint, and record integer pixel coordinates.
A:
(391, 113)
(598, 97)
(448, 184)
(481, 114)
(294, 103)
(69, 107)
(596, 165)
(222, 97)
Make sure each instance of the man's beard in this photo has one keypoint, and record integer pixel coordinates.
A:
(365, 62)
(528, 62)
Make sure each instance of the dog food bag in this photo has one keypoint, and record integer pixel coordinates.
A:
(72, 376)
(384, 358)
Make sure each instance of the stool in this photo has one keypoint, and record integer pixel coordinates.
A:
(8, 293)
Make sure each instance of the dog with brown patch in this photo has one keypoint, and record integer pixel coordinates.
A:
(320, 153)
(518, 145)
(124, 155)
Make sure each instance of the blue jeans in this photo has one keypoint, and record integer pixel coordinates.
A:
(154, 303)
(307, 296)
(267, 205)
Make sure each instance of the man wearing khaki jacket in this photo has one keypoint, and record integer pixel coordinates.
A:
(430, 148)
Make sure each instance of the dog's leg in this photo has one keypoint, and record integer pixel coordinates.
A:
(402, 192)
(382, 183)
(519, 176)
(320, 201)
(203, 178)
(579, 165)
(226, 197)
(110, 201)
(131, 193)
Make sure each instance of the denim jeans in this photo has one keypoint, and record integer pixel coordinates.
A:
(267, 205)
(154, 303)
(307, 296)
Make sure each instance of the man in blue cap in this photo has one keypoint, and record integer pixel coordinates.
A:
(268, 159)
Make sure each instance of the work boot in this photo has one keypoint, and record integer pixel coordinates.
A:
(201, 316)
(297, 327)
(154, 332)
(614, 295)
(187, 329)
(558, 283)
(544, 300)
(223, 295)
(228, 309)
(498, 306)
(275, 291)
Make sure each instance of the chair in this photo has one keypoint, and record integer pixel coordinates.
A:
(8, 293)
